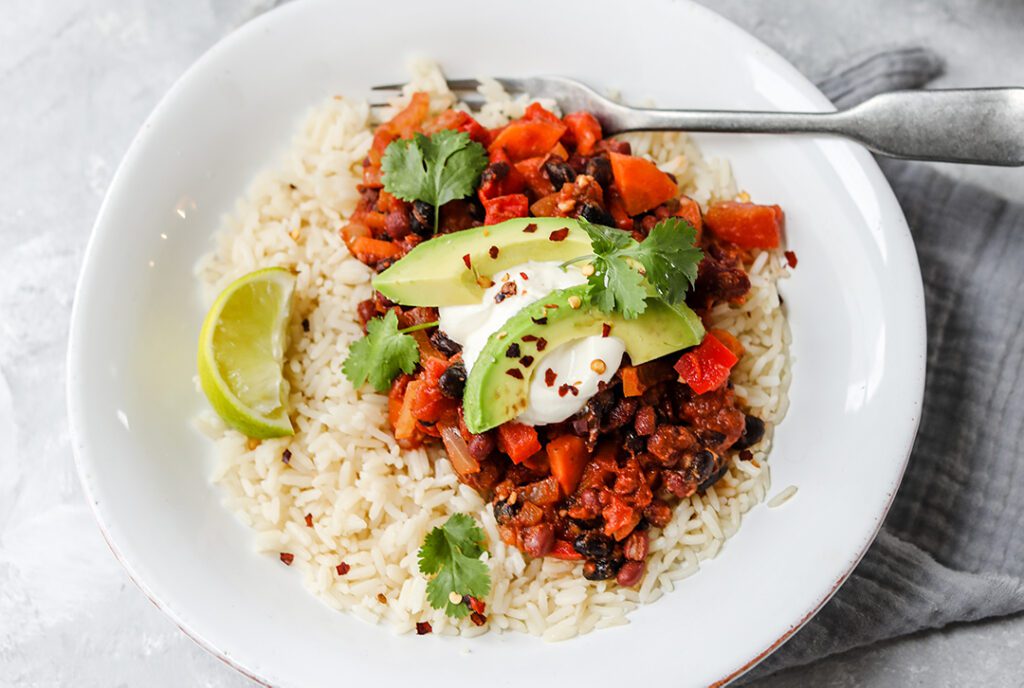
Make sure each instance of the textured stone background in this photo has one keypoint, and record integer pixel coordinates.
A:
(77, 78)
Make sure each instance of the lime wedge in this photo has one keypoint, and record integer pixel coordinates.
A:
(241, 353)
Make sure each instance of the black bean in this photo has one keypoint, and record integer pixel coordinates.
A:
(703, 466)
(559, 172)
(505, 512)
(422, 220)
(633, 443)
(594, 545)
(600, 168)
(443, 344)
(596, 214)
(753, 431)
(453, 380)
(601, 569)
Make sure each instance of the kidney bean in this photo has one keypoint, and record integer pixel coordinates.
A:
(630, 573)
(658, 513)
(635, 546)
(538, 540)
(396, 224)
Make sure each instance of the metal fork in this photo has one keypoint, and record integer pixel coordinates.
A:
(972, 125)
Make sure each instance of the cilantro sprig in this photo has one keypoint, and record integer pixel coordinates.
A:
(451, 553)
(382, 353)
(434, 169)
(666, 260)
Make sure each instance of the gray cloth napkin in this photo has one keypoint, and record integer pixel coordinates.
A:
(952, 547)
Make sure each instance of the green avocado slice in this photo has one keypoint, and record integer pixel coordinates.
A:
(497, 389)
(450, 269)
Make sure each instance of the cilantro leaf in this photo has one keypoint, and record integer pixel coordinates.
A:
(670, 258)
(381, 354)
(434, 169)
(451, 553)
(617, 286)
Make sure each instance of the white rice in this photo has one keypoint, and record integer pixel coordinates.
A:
(372, 503)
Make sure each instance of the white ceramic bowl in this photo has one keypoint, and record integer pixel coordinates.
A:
(855, 304)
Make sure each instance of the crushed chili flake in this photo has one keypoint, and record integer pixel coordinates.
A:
(305, 324)
(287, 558)
(493, 251)
(423, 627)
(507, 289)
(478, 618)
(467, 261)
(342, 568)
(524, 276)
(476, 605)
(513, 350)
(559, 234)
(514, 372)
(790, 258)
(381, 598)
(552, 306)
(530, 228)
(526, 361)
(540, 321)
(606, 329)
(566, 388)
(542, 344)
(529, 337)
(746, 455)
(549, 378)
(286, 456)
(309, 520)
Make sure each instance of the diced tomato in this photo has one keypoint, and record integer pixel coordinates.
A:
(492, 186)
(430, 403)
(505, 208)
(747, 225)
(523, 139)
(689, 210)
(640, 183)
(531, 170)
(458, 120)
(370, 250)
(517, 440)
(619, 517)
(535, 112)
(706, 367)
(568, 457)
(565, 550)
(585, 131)
(401, 126)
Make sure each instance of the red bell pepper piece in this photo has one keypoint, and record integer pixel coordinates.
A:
(505, 208)
(457, 120)
(531, 170)
(706, 367)
(535, 112)
(565, 550)
(517, 440)
(747, 225)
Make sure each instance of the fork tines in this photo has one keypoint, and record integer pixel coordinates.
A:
(465, 90)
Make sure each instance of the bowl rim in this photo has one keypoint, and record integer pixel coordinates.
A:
(82, 453)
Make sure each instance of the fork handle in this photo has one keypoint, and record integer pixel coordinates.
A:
(982, 125)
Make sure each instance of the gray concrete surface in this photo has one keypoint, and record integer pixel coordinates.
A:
(77, 78)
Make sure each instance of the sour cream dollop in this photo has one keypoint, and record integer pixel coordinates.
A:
(573, 362)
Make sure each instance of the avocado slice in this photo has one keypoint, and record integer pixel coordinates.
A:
(451, 269)
(498, 387)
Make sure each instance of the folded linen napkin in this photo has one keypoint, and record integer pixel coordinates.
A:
(952, 547)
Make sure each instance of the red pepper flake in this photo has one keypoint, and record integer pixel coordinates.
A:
(790, 258)
(542, 344)
(526, 361)
(549, 378)
(552, 306)
(529, 337)
(606, 329)
(476, 605)
(514, 372)
(342, 568)
(513, 350)
(309, 520)
(493, 251)
(286, 456)
(565, 389)
(746, 455)
(287, 558)
(524, 276)
(530, 228)
(467, 261)
(423, 627)
(478, 618)
(559, 234)
(540, 321)
(381, 598)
